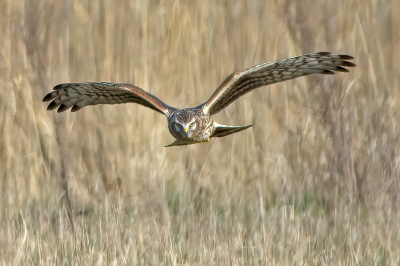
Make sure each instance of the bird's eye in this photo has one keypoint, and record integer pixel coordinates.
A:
(178, 127)
(192, 124)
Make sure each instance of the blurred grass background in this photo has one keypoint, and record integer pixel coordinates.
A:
(314, 182)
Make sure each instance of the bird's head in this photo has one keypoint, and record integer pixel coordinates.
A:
(183, 124)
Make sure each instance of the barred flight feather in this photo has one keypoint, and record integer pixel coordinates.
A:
(241, 82)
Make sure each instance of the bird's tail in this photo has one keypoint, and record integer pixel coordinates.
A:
(223, 130)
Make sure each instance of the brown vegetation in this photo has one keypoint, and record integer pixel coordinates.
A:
(314, 182)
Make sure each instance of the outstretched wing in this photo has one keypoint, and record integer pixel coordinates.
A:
(239, 83)
(79, 95)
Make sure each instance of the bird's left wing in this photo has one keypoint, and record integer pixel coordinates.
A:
(241, 82)
(79, 95)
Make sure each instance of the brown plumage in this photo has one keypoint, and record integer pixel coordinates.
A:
(195, 125)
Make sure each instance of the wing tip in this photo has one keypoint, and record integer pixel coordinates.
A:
(348, 64)
(51, 95)
(327, 72)
(76, 108)
(62, 108)
(53, 105)
(323, 53)
(345, 57)
(59, 87)
(48, 97)
(341, 69)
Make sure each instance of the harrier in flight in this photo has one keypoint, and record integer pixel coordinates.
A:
(195, 125)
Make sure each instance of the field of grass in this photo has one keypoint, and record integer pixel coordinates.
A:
(314, 182)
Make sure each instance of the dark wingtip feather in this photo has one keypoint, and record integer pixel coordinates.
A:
(346, 57)
(62, 108)
(323, 53)
(341, 69)
(327, 72)
(58, 87)
(348, 64)
(76, 108)
(53, 105)
(48, 97)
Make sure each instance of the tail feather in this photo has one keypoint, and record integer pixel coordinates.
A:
(223, 130)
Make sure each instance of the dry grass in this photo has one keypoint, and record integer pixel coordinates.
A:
(313, 183)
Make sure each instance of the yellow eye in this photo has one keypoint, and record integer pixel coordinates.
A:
(192, 124)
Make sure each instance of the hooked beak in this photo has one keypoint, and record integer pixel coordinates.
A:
(186, 132)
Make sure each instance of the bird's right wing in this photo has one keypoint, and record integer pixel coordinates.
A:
(79, 95)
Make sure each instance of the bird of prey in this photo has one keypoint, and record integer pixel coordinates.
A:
(195, 125)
